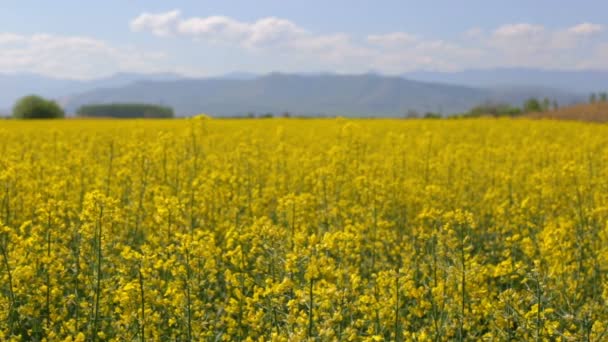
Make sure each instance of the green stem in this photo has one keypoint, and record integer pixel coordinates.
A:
(310, 309)
(188, 300)
(143, 305)
(98, 280)
(12, 308)
(48, 280)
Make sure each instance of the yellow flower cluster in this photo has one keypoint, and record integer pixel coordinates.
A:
(291, 230)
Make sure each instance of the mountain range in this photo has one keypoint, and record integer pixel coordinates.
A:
(371, 94)
(576, 81)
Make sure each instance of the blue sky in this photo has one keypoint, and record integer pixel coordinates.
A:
(86, 39)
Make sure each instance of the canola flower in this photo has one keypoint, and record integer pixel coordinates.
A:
(295, 230)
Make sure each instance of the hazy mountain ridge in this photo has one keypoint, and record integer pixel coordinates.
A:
(348, 95)
(321, 94)
(240, 93)
(575, 81)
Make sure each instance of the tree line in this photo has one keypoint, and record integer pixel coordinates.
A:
(126, 111)
(36, 107)
(531, 105)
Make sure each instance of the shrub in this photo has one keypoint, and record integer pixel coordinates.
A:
(126, 110)
(36, 107)
(532, 105)
(493, 109)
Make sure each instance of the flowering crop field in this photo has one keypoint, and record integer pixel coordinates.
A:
(291, 230)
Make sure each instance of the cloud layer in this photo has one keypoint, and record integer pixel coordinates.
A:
(518, 44)
(70, 56)
(268, 34)
(278, 44)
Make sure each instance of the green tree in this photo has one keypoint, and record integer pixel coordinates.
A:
(493, 109)
(125, 111)
(593, 98)
(532, 105)
(36, 107)
(603, 97)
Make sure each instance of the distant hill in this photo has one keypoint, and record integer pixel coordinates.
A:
(574, 81)
(360, 95)
(314, 94)
(596, 112)
(238, 93)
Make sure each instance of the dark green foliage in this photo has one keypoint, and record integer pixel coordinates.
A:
(125, 111)
(532, 105)
(493, 109)
(36, 107)
(431, 115)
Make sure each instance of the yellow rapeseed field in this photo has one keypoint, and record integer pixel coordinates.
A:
(292, 230)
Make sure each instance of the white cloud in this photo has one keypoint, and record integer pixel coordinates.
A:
(521, 38)
(161, 24)
(529, 37)
(392, 40)
(273, 43)
(275, 31)
(216, 29)
(530, 45)
(269, 32)
(8, 38)
(516, 44)
(220, 29)
(586, 29)
(70, 56)
(518, 30)
(279, 36)
(262, 33)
